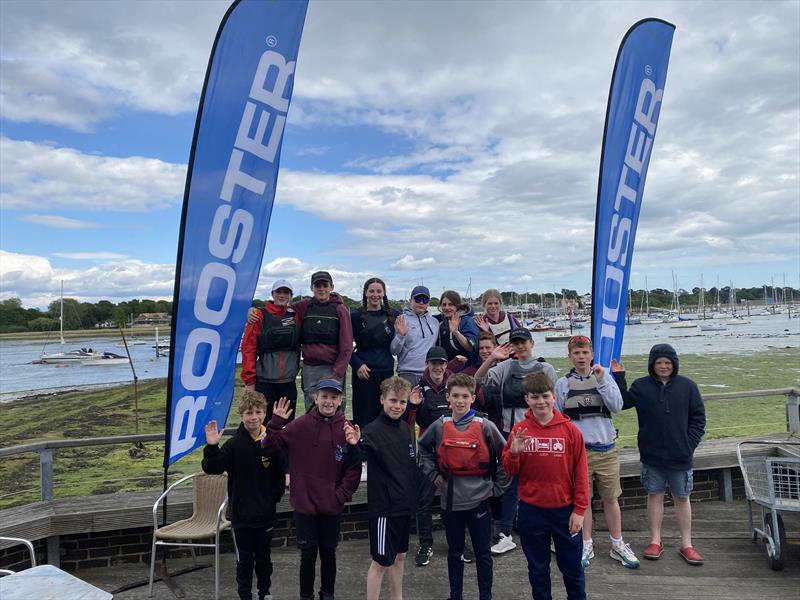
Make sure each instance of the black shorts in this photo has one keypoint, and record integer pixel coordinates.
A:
(388, 537)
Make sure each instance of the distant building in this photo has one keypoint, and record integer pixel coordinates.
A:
(153, 319)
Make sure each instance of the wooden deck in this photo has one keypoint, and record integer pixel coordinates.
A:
(735, 568)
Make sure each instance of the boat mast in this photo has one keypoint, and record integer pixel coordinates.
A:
(61, 316)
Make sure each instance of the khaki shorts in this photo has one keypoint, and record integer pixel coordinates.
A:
(604, 468)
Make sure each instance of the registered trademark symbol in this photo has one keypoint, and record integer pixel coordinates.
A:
(272, 41)
(648, 70)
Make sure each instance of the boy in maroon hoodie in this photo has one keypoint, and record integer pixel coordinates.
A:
(321, 482)
(547, 452)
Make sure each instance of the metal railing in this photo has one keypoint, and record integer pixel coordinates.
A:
(46, 448)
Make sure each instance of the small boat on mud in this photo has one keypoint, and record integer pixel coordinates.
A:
(105, 359)
(70, 357)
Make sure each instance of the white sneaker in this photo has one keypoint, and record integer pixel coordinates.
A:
(587, 555)
(504, 544)
(625, 555)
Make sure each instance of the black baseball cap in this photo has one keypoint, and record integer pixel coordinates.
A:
(321, 276)
(520, 334)
(436, 353)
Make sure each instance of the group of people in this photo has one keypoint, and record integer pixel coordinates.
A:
(471, 415)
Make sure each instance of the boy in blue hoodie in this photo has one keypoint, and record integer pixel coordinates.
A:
(672, 422)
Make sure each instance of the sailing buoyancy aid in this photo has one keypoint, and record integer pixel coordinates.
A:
(501, 330)
(512, 393)
(464, 453)
(374, 332)
(320, 324)
(584, 399)
(278, 333)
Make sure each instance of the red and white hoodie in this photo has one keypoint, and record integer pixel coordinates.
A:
(552, 468)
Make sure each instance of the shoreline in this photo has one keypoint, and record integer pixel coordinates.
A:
(75, 334)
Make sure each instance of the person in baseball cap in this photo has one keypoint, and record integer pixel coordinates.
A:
(502, 373)
(330, 384)
(282, 284)
(436, 354)
(520, 334)
(421, 294)
(326, 337)
(271, 348)
(321, 276)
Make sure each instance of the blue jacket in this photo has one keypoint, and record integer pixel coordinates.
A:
(468, 328)
(671, 415)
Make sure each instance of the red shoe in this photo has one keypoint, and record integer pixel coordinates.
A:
(653, 551)
(691, 556)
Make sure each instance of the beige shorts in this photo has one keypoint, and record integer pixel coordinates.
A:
(604, 470)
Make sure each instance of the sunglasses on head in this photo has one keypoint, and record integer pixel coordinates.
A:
(421, 299)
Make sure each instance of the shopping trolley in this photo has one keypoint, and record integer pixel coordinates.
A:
(771, 472)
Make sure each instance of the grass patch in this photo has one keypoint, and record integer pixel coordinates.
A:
(109, 412)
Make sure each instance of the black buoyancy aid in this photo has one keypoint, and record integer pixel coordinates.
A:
(278, 333)
(321, 324)
(448, 341)
(513, 394)
(434, 404)
(373, 332)
(583, 399)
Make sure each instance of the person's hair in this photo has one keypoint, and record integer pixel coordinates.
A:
(451, 295)
(397, 385)
(490, 293)
(461, 380)
(386, 308)
(252, 399)
(487, 335)
(579, 341)
(537, 383)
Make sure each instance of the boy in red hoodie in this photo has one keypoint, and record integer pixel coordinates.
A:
(547, 452)
(321, 480)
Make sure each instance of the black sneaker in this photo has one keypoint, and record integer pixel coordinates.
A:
(468, 556)
(423, 556)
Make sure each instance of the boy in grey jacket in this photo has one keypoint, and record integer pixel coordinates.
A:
(466, 481)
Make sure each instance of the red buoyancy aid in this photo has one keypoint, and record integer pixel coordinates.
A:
(464, 453)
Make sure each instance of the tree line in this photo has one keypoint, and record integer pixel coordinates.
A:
(14, 318)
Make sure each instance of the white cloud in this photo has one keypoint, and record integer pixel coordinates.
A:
(73, 64)
(36, 175)
(409, 263)
(492, 119)
(57, 221)
(90, 255)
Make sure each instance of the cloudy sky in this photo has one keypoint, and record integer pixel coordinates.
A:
(431, 142)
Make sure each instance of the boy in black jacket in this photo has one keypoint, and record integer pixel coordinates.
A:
(672, 422)
(387, 446)
(255, 486)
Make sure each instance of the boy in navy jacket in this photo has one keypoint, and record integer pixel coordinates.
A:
(387, 446)
(255, 486)
(672, 422)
